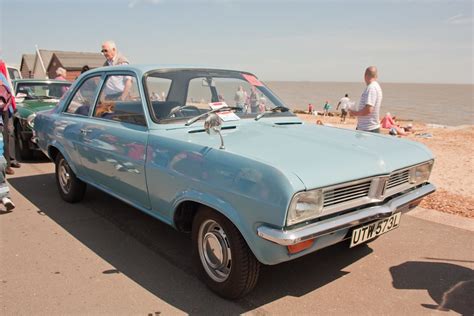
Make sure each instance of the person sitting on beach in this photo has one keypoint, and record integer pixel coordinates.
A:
(387, 121)
(395, 129)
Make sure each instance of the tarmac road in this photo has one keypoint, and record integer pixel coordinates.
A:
(102, 256)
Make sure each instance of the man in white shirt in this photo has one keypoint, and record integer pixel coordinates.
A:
(116, 87)
(344, 103)
(370, 101)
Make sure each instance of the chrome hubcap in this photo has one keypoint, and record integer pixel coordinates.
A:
(64, 176)
(214, 251)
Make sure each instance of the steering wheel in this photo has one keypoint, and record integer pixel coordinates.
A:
(184, 111)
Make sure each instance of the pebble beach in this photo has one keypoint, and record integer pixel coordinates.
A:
(453, 171)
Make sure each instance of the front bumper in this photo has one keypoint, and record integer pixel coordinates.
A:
(401, 203)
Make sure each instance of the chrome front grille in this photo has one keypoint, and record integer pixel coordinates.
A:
(398, 178)
(364, 191)
(346, 193)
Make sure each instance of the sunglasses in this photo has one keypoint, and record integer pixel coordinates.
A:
(104, 51)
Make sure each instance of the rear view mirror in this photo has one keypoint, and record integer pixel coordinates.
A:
(205, 82)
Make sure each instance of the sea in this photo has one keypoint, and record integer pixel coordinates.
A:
(444, 104)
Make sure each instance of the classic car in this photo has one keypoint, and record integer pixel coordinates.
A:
(217, 154)
(33, 95)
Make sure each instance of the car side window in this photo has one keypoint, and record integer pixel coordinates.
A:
(120, 101)
(83, 99)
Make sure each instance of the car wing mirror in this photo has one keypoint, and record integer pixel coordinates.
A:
(213, 125)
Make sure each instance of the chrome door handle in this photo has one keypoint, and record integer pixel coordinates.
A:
(84, 131)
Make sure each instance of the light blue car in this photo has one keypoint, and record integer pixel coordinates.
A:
(214, 152)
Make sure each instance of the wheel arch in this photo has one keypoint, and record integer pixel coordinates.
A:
(187, 208)
(54, 151)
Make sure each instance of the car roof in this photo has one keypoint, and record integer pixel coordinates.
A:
(141, 69)
(40, 81)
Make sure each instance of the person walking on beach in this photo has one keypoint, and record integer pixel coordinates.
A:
(117, 87)
(370, 102)
(344, 103)
(310, 109)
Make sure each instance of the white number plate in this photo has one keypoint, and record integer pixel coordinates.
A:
(361, 235)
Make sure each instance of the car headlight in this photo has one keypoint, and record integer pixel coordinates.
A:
(421, 173)
(30, 120)
(305, 206)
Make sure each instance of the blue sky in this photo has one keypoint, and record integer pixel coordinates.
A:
(409, 40)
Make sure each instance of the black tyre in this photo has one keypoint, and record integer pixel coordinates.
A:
(22, 145)
(223, 258)
(70, 187)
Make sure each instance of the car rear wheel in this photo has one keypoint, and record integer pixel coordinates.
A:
(70, 187)
(22, 145)
(224, 260)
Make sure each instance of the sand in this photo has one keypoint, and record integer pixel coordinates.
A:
(453, 171)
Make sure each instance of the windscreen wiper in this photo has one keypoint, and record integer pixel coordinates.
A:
(277, 108)
(224, 108)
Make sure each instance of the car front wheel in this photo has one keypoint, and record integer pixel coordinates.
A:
(224, 260)
(70, 187)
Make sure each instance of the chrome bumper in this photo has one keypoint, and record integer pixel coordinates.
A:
(331, 225)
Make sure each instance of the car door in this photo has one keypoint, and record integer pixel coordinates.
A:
(114, 141)
(70, 123)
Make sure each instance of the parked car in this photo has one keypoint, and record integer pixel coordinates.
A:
(12, 74)
(33, 95)
(250, 181)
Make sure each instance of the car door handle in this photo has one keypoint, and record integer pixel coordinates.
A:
(85, 131)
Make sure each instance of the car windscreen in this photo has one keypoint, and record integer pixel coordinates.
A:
(35, 91)
(183, 94)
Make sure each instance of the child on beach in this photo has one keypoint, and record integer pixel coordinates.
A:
(326, 108)
(5, 97)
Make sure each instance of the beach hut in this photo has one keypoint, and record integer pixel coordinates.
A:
(73, 63)
(26, 65)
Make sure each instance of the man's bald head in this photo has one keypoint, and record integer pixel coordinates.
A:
(370, 74)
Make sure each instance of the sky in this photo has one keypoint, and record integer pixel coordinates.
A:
(413, 41)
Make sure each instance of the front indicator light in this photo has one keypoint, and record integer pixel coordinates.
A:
(300, 246)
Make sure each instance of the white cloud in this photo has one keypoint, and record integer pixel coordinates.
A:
(460, 19)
